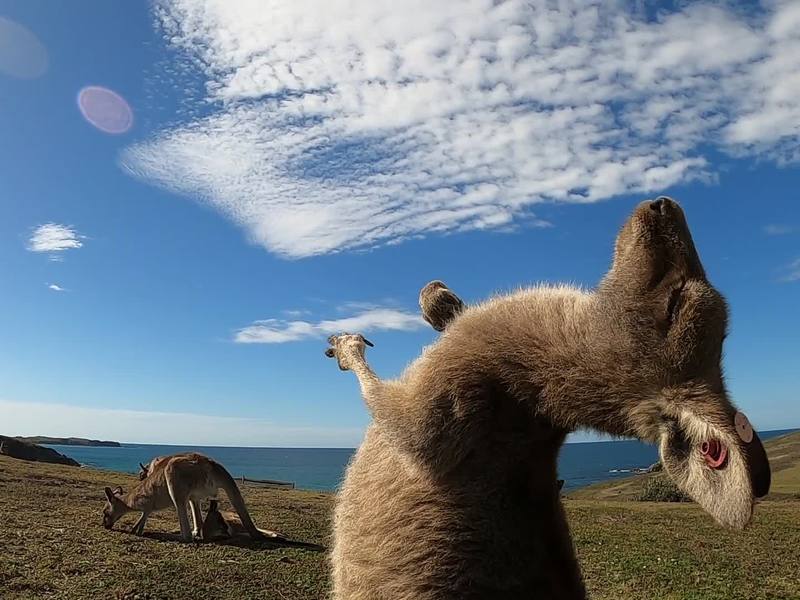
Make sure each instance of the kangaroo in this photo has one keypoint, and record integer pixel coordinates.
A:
(453, 491)
(175, 481)
(144, 470)
(157, 461)
(225, 524)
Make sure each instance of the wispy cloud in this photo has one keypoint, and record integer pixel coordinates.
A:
(56, 288)
(53, 237)
(348, 124)
(791, 272)
(278, 331)
(775, 229)
(150, 427)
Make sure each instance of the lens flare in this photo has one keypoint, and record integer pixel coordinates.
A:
(22, 55)
(105, 109)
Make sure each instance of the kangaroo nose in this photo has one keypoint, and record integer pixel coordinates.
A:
(662, 204)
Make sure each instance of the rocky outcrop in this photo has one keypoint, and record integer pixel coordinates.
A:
(71, 441)
(25, 451)
(656, 467)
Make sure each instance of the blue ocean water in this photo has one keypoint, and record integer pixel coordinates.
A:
(323, 468)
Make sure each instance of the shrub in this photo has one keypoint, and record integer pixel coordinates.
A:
(661, 489)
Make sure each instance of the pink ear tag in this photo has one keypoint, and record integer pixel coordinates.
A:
(743, 427)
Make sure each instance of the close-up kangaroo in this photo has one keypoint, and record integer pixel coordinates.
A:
(200, 193)
(175, 481)
(453, 492)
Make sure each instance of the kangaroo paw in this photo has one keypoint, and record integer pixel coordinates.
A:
(439, 304)
(347, 348)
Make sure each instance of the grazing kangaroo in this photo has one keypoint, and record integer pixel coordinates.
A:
(453, 492)
(175, 481)
(225, 524)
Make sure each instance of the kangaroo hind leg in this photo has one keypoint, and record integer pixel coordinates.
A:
(180, 499)
(197, 518)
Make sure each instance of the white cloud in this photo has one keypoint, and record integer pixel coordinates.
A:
(775, 229)
(278, 331)
(56, 288)
(347, 124)
(792, 271)
(145, 427)
(53, 237)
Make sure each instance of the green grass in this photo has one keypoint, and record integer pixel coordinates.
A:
(52, 544)
(788, 482)
(643, 550)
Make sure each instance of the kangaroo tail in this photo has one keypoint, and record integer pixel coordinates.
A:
(227, 483)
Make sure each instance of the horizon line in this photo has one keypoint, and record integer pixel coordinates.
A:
(200, 445)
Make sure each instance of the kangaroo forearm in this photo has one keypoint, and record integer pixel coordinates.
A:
(431, 433)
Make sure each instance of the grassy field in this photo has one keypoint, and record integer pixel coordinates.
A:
(52, 544)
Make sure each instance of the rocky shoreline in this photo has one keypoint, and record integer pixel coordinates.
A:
(23, 450)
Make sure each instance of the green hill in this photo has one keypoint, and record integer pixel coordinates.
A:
(69, 441)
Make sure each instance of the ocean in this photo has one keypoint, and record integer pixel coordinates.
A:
(323, 468)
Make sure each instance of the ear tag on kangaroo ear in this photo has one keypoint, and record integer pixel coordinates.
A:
(743, 427)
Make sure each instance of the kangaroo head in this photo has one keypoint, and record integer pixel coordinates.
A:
(672, 323)
(114, 508)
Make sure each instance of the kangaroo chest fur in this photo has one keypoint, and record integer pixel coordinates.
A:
(493, 527)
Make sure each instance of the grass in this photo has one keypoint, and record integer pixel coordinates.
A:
(52, 543)
(53, 546)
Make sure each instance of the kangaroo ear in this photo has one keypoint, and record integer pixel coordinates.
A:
(118, 491)
(109, 494)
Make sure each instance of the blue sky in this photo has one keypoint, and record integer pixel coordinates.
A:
(291, 172)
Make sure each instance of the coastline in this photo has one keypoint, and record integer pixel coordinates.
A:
(44, 440)
(581, 464)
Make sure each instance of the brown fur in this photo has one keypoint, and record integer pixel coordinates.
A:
(453, 491)
(174, 481)
(145, 470)
(439, 304)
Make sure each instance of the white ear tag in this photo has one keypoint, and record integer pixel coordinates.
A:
(743, 427)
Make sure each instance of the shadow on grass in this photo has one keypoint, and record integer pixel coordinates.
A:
(240, 541)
